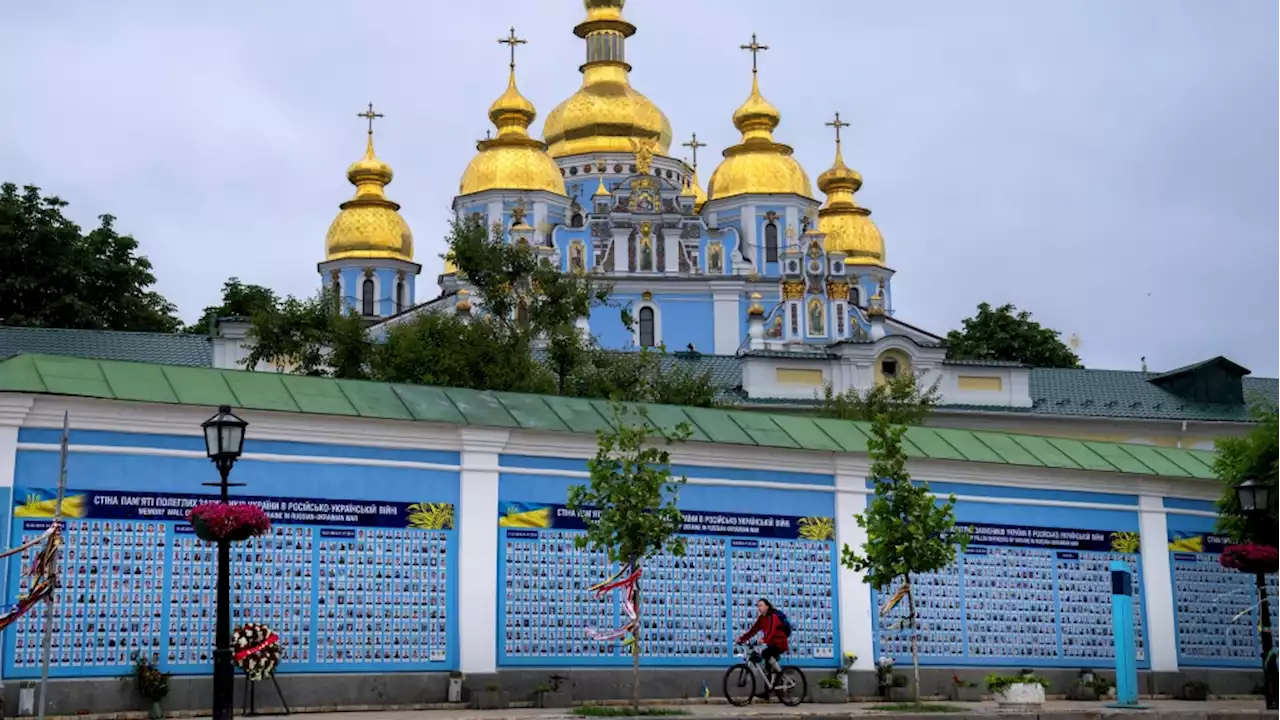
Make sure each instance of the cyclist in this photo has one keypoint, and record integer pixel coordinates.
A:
(771, 626)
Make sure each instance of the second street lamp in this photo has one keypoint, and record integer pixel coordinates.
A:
(1255, 501)
(224, 442)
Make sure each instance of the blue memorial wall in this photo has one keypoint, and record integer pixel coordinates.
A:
(362, 584)
(1025, 595)
(693, 606)
(1215, 608)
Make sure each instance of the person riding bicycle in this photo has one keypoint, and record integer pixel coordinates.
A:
(772, 625)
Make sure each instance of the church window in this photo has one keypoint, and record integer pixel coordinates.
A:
(646, 327)
(576, 220)
(366, 297)
(400, 296)
(889, 368)
(522, 312)
(771, 242)
(855, 295)
(573, 171)
(617, 168)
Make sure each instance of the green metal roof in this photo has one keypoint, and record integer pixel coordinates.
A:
(167, 348)
(142, 382)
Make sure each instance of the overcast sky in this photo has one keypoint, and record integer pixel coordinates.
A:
(1110, 166)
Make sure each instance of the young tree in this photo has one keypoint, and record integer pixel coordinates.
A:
(1006, 334)
(901, 399)
(56, 276)
(630, 505)
(311, 337)
(909, 532)
(238, 300)
(1239, 459)
(644, 376)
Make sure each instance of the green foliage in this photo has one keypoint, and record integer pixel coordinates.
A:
(1007, 334)
(645, 376)
(238, 300)
(1240, 458)
(901, 399)
(1000, 683)
(54, 275)
(831, 682)
(310, 337)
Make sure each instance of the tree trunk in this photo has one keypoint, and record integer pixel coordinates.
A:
(635, 652)
(915, 655)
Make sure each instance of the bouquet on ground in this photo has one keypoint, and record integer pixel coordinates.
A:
(256, 650)
(223, 521)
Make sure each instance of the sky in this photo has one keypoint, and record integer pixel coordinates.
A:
(1109, 166)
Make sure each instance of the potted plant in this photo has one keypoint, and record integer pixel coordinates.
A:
(964, 690)
(492, 697)
(1197, 690)
(1103, 688)
(900, 690)
(216, 521)
(1025, 690)
(1083, 688)
(884, 674)
(150, 684)
(549, 694)
(830, 690)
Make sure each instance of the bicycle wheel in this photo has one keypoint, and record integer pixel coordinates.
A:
(791, 686)
(739, 685)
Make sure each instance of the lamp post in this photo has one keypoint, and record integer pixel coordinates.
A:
(224, 441)
(1255, 499)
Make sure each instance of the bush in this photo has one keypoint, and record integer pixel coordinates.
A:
(831, 683)
(1000, 683)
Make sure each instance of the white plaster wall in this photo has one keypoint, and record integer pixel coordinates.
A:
(855, 594)
(725, 319)
(1157, 577)
(478, 549)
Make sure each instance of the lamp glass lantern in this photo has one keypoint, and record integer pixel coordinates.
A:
(1253, 496)
(224, 435)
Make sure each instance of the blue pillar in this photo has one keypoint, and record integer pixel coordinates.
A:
(1122, 633)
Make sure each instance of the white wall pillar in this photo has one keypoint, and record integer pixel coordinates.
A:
(478, 549)
(747, 223)
(13, 410)
(725, 320)
(1157, 584)
(495, 214)
(855, 595)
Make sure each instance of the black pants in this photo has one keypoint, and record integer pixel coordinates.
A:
(771, 652)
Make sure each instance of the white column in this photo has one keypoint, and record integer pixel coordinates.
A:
(478, 549)
(13, 410)
(726, 320)
(1157, 584)
(855, 595)
(792, 215)
(747, 222)
(670, 261)
(621, 246)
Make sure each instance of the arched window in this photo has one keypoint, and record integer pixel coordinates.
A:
(576, 220)
(855, 296)
(399, 296)
(646, 327)
(771, 242)
(522, 313)
(366, 297)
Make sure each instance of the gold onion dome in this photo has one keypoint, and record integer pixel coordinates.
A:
(848, 227)
(757, 164)
(512, 160)
(369, 225)
(606, 114)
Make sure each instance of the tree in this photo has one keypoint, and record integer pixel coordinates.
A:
(630, 505)
(901, 399)
(646, 376)
(1239, 459)
(908, 531)
(311, 337)
(238, 300)
(1009, 335)
(56, 276)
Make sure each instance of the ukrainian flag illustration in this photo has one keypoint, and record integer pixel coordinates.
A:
(524, 515)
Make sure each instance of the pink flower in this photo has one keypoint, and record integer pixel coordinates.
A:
(224, 519)
(1250, 558)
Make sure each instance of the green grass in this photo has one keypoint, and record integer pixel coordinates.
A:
(921, 707)
(625, 711)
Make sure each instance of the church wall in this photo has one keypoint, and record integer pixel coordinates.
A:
(682, 318)
(1037, 562)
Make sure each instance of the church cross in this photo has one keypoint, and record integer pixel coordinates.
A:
(370, 115)
(694, 144)
(512, 41)
(755, 49)
(837, 125)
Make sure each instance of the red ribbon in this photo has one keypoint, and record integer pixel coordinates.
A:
(242, 654)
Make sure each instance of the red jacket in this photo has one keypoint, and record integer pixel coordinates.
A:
(770, 627)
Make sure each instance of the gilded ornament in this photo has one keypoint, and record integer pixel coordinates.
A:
(837, 290)
(644, 154)
(369, 225)
(793, 290)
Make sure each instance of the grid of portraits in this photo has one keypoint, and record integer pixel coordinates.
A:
(683, 601)
(271, 583)
(796, 576)
(108, 607)
(382, 596)
(547, 604)
(1002, 603)
(1209, 600)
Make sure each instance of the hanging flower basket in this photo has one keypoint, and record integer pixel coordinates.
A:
(235, 523)
(1250, 558)
(256, 650)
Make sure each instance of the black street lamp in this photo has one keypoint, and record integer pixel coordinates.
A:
(1255, 499)
(224, 441)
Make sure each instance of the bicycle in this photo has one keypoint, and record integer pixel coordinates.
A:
(788, 685)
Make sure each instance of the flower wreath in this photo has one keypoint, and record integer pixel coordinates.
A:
(256, 650)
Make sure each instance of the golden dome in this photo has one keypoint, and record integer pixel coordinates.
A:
(757, 164)
(848, 227)
(512, 160)
(606, 114)
(369, 225)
